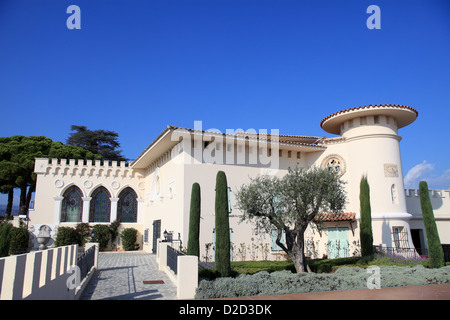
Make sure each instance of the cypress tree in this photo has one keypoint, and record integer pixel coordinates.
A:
(222, 251)
(435, 252)
(365, 231)
(193, 247)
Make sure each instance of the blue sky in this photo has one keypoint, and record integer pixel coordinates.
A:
(136, 66)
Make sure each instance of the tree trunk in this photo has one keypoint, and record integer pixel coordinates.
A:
(10, 204)
(298, 254)
(23, 200)
(31, 189)
(295, 248)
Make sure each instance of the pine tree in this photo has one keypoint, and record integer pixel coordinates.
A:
(365, 232)
(435, 252)
(194, 222)
(222, 251)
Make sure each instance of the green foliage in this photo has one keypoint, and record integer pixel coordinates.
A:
(289, 204)
(317, 265)
(222, 224)
(208, 273)
(114, 231)
(193, 247)
(84, 233)
(365, 232)
(252, 267)
(101, 235)
(64, 151)
(102, 142)
(66, 236)
(17, 155)
(129, 237)
(19, 240)
(435, 251)
(5, 239)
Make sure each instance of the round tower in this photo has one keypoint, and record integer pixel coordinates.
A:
(372, 142)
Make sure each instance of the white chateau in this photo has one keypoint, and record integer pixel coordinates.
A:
(152, 194)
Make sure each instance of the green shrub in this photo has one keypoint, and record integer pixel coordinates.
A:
(66, 236)
(19, 240)
(327, 265)
(5, 239)
(129, 237)
(207, 273)
(114, 232)
(101, 235)
(84, 233)
(252, 267)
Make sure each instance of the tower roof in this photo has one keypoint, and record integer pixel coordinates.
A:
(404, 115)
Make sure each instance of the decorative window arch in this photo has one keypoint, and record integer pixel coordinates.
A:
(72, 205)
(157, 185)
(127, 206)
(334, 162)
(100, 205)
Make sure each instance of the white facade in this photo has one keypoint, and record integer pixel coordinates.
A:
(162, 178)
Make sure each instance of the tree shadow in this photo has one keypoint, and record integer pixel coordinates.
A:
(136, 295)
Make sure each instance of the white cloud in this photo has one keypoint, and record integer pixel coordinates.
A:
(425, 172)
(439, 182)
(414, 175)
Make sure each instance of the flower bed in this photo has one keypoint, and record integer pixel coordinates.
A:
(344, 278)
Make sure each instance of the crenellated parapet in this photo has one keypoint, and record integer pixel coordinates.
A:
(84, 168)
(440, 202)
(433, 193)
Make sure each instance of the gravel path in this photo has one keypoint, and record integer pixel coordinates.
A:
(121, 276)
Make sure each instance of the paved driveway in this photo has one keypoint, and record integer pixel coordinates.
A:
(120, 276)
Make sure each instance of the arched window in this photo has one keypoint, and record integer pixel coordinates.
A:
(100, 206)
(127, 206)
(72, 205)
(394, 194)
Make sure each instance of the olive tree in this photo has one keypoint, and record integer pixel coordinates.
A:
(289, 204)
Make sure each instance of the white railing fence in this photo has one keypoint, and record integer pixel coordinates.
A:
(185, 277)
(50, 274)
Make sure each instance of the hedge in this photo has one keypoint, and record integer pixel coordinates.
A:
(101, 235)
(66, 236)
(129, 237)
(19, 240)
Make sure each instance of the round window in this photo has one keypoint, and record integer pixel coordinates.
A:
(334, 163)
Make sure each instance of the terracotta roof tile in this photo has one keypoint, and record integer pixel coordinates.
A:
(332, 217)
(369, 107)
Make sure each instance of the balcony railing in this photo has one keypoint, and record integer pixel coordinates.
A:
(85, 261)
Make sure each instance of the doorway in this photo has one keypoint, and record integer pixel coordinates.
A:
(418, 241)
(156, 234)
(337, 242)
